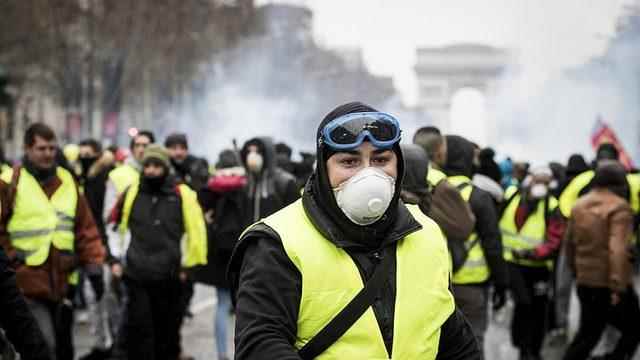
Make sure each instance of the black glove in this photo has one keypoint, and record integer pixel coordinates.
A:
(499, 297)
(97, 283)
(525, 254)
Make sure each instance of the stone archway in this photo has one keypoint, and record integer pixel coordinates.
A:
(442, 71)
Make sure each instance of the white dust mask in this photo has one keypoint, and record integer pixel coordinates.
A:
(255, 162)
(365, 197)
(538, 191)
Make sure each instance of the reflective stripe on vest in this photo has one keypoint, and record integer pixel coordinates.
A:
(38, 222)
(123, 176)
(475, 269)
(192, 217)
(330, 280)
(531, 235)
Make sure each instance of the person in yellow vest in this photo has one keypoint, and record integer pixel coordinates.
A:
(579, 186)
(348, 271)
(435, 145)
(47, 230)
(532, 228)
(158, 213)
(484, 264)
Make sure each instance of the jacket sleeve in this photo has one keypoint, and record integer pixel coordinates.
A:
(267, 288)
(620, 232)
(490, 238)
(457, 341)
(16, 319)
(88, 246)
(5, 242)
(555, 231)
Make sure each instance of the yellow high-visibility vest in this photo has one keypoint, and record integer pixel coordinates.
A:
(192, 217)
(123, 176)
(330, 280)
(38, 222)
(570, 194)
(475, 269)
(435, 176)
(531, 235)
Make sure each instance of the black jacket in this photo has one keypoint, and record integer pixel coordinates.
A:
(193, 171)
(226, 211)
(460, 163)
(94, 183)
(271, 189)
(156, 228)
(267, 286)
(15, 317)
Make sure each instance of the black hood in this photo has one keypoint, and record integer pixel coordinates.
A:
(320, 189)
(416, 164)
(267, 150)
(460, 152)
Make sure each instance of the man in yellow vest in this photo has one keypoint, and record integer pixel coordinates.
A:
(47, 230)
(348, 271)
(158, 213)
(484, 264)
(532, 229)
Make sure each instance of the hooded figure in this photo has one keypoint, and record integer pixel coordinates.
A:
(312, 246)
(269, 188)
(459, 166)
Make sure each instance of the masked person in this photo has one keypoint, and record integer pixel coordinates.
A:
(599, 237)
(296, 270)
(95, 166)
(484, 263)
(269, 188)
(158, 212)
(223, 202)
(532, 228)
(47, 230)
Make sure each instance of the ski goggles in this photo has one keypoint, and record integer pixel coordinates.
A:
(349, 131)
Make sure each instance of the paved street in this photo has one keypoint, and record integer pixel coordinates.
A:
(198, 332)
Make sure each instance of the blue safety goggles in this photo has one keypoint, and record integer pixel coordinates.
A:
(349, 131)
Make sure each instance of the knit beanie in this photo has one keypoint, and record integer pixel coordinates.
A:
(158, 153)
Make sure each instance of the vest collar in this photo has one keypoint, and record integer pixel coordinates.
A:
(404, 225)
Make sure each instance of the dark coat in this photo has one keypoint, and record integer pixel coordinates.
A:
(271, 189)
(225, 222)
(15, 317)
(156, 228)
(268, 287)
(193, 171)
(94, 183)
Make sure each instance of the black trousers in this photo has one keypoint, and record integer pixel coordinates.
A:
(530, 290)
(596, 312)
(153, 319)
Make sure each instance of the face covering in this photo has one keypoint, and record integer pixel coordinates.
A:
(255, 162)
(538, 191)
(365, 197)
(154, 182)
(86, 162)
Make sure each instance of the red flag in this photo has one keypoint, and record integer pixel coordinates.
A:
(604, 134)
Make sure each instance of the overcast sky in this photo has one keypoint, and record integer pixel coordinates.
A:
(548, 34)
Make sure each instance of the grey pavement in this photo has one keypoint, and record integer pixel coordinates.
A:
(198, 341)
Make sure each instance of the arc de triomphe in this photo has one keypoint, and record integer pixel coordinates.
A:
(441, 71)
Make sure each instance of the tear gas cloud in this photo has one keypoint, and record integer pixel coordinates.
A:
(549, 120)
